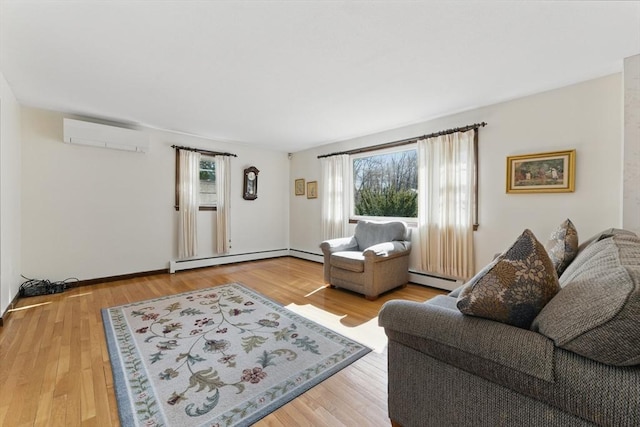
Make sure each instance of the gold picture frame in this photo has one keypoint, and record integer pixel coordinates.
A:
(552, 172)
(312, 190)
(299, 187)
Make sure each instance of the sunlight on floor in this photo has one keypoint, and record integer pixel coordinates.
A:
(80, 295)
(321, 288)
(26, 307)
(369, 333)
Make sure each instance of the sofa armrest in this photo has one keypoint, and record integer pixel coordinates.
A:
(387, 250)
(438, 323)
(339, 244)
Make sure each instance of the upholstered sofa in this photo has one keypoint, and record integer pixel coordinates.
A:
(576, 364)
(372, 261)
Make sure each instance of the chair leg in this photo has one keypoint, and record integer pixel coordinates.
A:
(371, 297)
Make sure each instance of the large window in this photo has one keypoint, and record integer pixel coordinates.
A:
(208, 197)
(385, 184)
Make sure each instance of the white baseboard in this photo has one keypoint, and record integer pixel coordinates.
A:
(309, 256)
(225, 259)
(433, 281)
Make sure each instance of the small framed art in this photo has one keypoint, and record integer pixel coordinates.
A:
(312, 190)
(299, 187)
(552, 172)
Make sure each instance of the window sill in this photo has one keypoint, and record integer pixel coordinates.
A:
(410, 223)
(201, 208)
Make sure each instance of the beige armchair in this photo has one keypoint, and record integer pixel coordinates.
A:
(372, 261)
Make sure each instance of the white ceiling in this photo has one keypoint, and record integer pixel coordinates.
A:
(292, 75)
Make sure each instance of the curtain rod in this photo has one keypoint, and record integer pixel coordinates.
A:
(405, 141)
(197, 150)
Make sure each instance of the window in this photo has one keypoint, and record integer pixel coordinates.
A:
(208, 196)
(385, 184)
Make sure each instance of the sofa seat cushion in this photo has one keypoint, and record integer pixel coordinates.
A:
(597, 312)
(514, 287)
(348, 260)
(562, 246)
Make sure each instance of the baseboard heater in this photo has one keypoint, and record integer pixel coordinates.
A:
(428, 279)
(188, 264)
(309, 256)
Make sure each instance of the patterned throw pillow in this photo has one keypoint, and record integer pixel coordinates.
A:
(562, 247)
(513, 288)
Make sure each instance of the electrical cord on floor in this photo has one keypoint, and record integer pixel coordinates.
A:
(33, 287)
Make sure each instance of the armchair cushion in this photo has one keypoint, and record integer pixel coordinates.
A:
(369, 233)
(514, 287)
(348, 260)
(387, 249)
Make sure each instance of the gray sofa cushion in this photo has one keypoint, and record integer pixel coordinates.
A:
(514, 287)
(597, 312)
(369, 233)
(603, 234)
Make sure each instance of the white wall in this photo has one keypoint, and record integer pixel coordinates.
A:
(91, 212)
(631, 191)
(586, 117)
(9, 195)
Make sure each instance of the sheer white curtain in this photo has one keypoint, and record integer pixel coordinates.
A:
(223, 181)
(446, 173)
(189, 191)
(335, 190)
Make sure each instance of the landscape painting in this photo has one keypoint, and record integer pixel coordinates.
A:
(552, 172)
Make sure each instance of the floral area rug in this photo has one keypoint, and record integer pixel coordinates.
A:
(222, 356)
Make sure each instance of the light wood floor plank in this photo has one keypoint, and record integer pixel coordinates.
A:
(55, 369)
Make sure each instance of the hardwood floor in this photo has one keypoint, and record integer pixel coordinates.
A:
(55, 370)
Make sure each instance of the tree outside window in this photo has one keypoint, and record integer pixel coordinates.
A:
(208, 195)
(386, 184)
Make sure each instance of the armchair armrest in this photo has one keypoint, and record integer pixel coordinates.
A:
(339, 244)
(387, 250)
(437, 325)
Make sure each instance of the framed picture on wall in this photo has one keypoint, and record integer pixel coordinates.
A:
(312, 190)
(299, 187)
(552, 172)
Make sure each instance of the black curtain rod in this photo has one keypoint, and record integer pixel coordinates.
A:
(197, 150)
(406, 141)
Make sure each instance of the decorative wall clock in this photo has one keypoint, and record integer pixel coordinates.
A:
(250, 188)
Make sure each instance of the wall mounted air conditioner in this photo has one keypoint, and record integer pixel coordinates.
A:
(104, 136)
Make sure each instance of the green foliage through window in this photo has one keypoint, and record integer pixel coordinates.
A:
(386, 185)
(208, 195)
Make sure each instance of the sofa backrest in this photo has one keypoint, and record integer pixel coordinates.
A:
(597, 312)
(369, 233)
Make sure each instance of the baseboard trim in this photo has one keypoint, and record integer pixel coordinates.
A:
(99, 280)
(10, 307)
(309, 256)
(426, 279)
(225, 259)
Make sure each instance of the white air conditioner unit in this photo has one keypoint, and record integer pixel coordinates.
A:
(97, 135)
